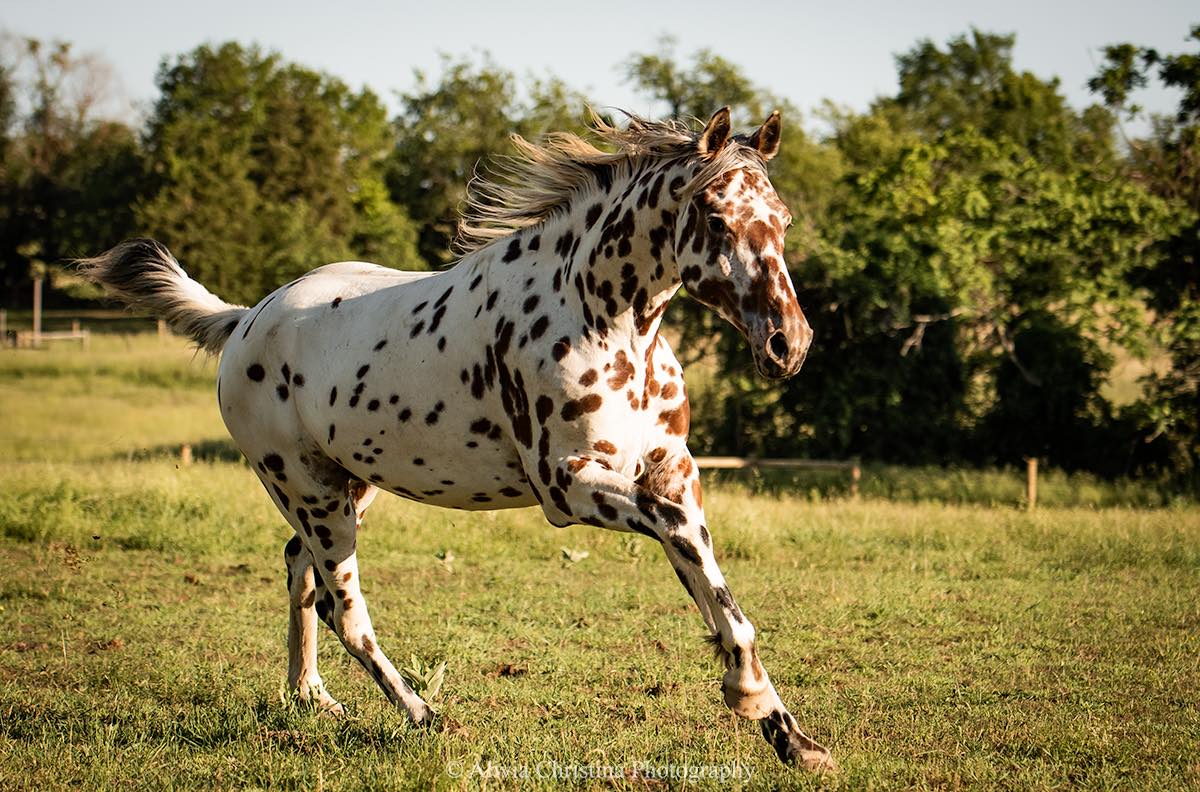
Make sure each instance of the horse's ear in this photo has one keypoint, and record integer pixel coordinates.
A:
(715, 135)
(766, 138)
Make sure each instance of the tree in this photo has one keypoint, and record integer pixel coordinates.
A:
(266, 169)
(696, 92)
(68, 177)
(944, 235)
(972, 84)
(1168, 164)
(450, 128)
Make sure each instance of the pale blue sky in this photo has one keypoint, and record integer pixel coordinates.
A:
(804, 51)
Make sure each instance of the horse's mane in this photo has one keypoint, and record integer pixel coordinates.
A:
(541, 178)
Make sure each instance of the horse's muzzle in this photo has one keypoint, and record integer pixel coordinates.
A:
(780, 348)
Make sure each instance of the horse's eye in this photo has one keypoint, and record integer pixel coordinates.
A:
(716, 225)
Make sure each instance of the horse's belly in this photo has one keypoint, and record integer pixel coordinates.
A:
(462, 472)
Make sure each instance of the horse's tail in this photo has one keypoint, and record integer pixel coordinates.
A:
(143, 274)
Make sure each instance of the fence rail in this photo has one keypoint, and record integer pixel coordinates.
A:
(751, 463)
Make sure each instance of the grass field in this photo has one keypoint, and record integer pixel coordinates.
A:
(940, 637)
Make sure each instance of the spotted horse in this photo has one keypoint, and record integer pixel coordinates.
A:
(531, 372)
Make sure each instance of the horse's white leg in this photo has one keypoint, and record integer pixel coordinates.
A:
(666, 506)
(340, 603)
(302, 630)
(325, 508)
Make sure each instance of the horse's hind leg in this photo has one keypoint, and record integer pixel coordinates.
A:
(325, 506)
(303, 677)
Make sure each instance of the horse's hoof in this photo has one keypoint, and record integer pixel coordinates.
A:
(814, 761)
(330, 707)
(795, 748)
(444, 725)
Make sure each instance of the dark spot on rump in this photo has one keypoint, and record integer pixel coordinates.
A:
(256, 372)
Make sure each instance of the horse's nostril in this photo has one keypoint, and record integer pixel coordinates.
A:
(778, 345)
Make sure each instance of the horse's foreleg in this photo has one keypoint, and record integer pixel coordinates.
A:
(665, 505)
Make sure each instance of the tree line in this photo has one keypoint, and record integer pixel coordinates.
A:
(975, 255)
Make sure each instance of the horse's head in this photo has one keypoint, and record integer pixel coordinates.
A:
(729, 245)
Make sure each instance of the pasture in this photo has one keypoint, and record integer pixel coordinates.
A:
(940, 637)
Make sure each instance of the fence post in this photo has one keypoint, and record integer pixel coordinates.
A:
(1031, 465)
(185, 454)
(37, 312)
(855, 477)
(162, 329)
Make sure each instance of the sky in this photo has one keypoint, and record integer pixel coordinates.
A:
(806, 52)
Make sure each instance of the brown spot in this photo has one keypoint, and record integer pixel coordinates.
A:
(604, 447)
(677, 420)
(576, 407)
(589, 378)
(622, 371)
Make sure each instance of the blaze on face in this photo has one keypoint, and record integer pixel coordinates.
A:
(730, 253)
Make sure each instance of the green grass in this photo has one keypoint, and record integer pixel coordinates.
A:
(934, 641)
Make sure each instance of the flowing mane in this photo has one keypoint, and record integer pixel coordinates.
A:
(542, 178)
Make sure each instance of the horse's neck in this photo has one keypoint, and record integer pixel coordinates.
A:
(619, 246)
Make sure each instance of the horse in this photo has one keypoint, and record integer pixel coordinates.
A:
(532, 372)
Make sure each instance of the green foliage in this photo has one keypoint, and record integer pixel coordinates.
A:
(69, 180)
(1168, 164)
(425, 678)
(941, 234)
(266, 169)
(450, 127)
